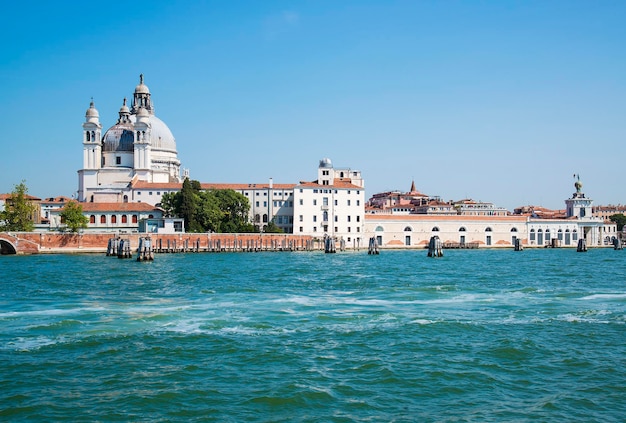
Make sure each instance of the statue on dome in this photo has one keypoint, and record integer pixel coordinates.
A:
(578, 185)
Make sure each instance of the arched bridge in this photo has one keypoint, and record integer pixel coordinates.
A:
(14, 244)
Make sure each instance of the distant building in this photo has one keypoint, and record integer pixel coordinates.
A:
(5, 201)
(333, 205)
(112, 217)
(469, 207)
(535, 226)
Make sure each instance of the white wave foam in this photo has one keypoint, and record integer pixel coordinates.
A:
(614, 296)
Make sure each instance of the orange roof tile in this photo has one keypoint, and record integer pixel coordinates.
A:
(338, 184)
(428, 217)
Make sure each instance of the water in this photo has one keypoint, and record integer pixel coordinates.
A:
(481, 335)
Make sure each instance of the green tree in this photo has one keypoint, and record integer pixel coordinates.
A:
(18, 211)
(620, 219)
(170, 203)
(235, 207)
(208, 211)
(272, 228)
(189, 200)
(72, 215)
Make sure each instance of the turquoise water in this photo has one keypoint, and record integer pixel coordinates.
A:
(479, 335)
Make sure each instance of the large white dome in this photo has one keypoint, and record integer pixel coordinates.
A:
(119, 137)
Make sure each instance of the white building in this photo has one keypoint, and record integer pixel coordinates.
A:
(333, 205)
(139, 147)
(493, 230)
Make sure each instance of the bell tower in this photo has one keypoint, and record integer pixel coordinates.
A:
(92, 152)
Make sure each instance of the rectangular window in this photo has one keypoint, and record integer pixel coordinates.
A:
(301, 229)
(349, 228)
(301, 202)
(348, 202)
(314, 228)
(150, 193)
(301, 218)
(358, 202)
(325, 201)
(118, 160)
(349, 218)
(314, 218)
(315, 202)
(257, 204)
(336, 229)
(358, 229)
(358, 218)
(264, 203)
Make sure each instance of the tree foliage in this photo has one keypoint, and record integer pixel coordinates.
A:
(18, 211)
(620, 219)
(272, 228)
(72, 215)
(208, 211)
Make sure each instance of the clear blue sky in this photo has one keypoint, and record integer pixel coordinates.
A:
(499, 101)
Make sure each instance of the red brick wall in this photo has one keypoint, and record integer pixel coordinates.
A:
(32, 242)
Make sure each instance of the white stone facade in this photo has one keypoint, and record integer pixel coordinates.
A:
(138, 147)
(333, 205)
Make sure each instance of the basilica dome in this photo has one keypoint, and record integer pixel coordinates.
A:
(120, 137)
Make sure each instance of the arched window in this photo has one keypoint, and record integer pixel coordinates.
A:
(257, 218)
(435, 229)
(103, 219)
(150, 216)
(124, 218)
(379, 229)
(126, 198)
(92, 218)
(88, 136)
(488, 229)
(407, 229)
(134, 218)
(114, 219)
(93, 135)
(462, 229)
(532, 234)
(513, 229)
(264, 218)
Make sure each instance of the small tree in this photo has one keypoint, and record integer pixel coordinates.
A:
(272, 228)
(72, 215)
(620, 219)
(18, 211)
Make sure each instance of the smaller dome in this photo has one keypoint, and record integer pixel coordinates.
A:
(326, 163)
(92, 112)
(141, 88)
(124, 109)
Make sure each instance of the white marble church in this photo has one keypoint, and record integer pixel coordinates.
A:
(139, 147)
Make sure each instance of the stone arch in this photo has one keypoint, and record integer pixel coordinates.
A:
(7, 248)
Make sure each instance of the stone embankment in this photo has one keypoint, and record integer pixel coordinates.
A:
(33, 242)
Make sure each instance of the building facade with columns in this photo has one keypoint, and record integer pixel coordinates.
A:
(415, 230)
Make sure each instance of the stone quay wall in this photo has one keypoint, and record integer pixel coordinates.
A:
(52, 242)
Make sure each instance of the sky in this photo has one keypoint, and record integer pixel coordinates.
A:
(498, 101)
